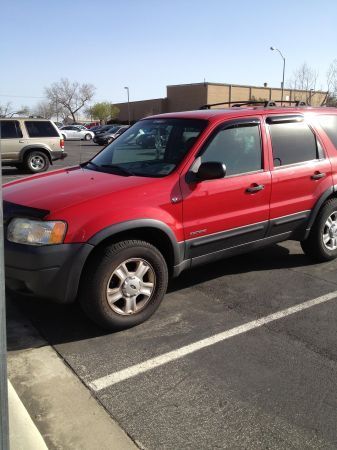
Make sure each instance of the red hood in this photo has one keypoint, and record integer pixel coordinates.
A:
(61, 189)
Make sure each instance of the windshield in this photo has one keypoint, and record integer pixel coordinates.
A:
(151, 148)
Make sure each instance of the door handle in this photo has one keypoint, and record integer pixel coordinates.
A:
(22, 142)
(255, 188)
(318, 175)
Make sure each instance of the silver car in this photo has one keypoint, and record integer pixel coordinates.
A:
(74, 132)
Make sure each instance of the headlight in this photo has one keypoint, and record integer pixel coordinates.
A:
(34, 232)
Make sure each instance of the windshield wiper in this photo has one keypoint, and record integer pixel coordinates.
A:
(120, 169)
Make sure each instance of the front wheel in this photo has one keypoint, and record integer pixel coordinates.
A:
(36, 162)
(124, 284)
(87, 137)
(321, 245)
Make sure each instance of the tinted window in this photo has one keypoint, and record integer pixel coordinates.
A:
(238, 147)
(10, 129)
(292, 142)
(40, 129)
(329, 125)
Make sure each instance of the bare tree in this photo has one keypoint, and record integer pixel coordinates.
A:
(331, 81)
(7, 110)
(48, 110)
(304, 79)
(73, 96)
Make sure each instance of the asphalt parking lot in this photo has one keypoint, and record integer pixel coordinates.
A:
(216, 366)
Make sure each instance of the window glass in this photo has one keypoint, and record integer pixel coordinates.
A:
(40, 129)
(238, 147)
(10, 129)
(329, 125)
(292, 143)
(150, 148)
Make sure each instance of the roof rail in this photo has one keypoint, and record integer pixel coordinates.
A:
(263, 103)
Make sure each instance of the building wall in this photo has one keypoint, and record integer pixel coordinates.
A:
(186, 97)
(141, 109)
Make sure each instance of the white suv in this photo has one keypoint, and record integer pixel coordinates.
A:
(30, 143)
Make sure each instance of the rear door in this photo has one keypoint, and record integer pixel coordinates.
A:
(234, 210)
(11, 139)
(301, 172)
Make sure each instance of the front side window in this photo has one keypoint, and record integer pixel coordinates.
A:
(10, 129)
(150, 148)
(292, 143)
(238, 147)
(329, 125)
(40, 129)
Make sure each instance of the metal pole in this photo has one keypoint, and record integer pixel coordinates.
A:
(284, 69)
(4, 429)
(128, 102)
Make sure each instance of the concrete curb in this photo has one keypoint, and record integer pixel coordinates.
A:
(23, 434)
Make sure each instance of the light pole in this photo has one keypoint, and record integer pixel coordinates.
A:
(126, 87)
(284, 68)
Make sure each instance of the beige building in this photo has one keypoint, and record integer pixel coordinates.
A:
(186, 97)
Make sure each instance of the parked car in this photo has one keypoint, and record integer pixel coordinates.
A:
(75, 132)
(31, 144)
(109, 136)
(59, 124)
(104, 128)
(224, 182)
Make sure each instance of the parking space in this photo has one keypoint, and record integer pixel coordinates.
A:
(270, 386)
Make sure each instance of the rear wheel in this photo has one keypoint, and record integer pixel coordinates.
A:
(36, 161)
(124, 284)
(87, 137)
(321, 245)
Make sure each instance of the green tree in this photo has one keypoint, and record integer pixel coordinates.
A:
(103, 111)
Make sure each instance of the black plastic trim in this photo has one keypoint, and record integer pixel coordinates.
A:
(317, 207)
(178, 247)
(226, 239)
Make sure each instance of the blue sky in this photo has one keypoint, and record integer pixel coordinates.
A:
(149, 44)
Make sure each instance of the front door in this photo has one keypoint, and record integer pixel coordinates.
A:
(11, 139)
(227, 212)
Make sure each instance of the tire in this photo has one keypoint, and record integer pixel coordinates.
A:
(36, 161)
(103, 277)
(87, 137)
(321, 245)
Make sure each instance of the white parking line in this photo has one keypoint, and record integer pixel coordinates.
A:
(132, 371)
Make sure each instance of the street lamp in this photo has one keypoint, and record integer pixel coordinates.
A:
(126, 87)
(284, 68)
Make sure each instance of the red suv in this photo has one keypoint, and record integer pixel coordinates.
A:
(208, 185)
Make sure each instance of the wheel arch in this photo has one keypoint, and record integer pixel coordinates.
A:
(329, 193)
(155, 232)
(30, 148)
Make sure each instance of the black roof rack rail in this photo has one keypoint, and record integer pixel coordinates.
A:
(264, 103)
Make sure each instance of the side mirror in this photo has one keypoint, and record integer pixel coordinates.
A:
(210, 171)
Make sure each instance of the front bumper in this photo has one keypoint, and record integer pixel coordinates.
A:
(51, 272)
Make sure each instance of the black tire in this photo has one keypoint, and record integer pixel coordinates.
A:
(36, 161)
(97, 278)
(314, 246)
(87, 137)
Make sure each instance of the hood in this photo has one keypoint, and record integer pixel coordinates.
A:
(61, 189)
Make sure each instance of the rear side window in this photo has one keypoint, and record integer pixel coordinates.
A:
(329, 125)
(40, 129)
(10, 129)
(292, 142)
(238, 147)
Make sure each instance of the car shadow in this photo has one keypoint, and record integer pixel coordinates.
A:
(59, 324)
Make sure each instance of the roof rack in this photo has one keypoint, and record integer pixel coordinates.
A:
(263, 103)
